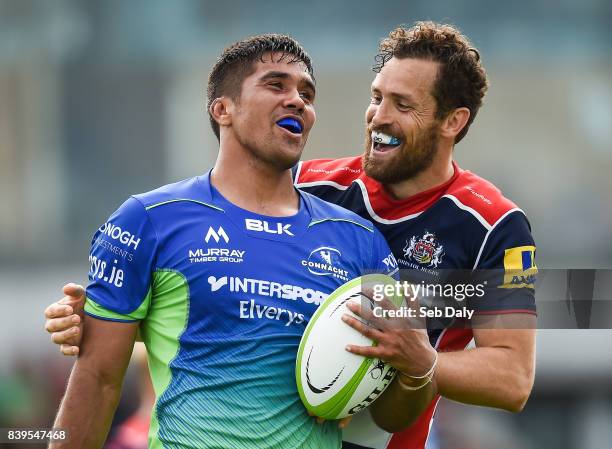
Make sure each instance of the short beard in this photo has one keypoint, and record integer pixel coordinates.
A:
(266, 158)
(407, 163)
(263, 154)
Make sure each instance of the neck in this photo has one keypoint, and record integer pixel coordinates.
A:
(253, 184)
(438, 173)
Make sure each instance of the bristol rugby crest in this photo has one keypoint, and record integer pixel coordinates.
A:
(425, 251)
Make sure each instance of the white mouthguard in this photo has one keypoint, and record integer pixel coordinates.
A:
(385, 139)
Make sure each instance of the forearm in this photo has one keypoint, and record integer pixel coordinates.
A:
(488, 376)
(95, 383)
(87, 409)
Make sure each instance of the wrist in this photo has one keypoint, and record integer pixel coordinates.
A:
(412, 382)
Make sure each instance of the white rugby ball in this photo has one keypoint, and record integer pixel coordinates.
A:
(332, 382)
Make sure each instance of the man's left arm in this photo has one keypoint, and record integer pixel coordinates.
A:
(498, 372)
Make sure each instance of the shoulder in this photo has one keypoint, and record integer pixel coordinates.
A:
(337, 172)
(324, 211)
(481, 198)
(185, 189)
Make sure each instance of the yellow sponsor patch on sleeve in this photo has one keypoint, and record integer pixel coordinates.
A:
(519, 267)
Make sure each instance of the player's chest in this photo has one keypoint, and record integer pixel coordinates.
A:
(438, 238)
(255, 257)
(434, 242)
(428, 247)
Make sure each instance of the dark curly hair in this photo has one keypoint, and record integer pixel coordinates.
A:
(461, 79)
(237, 62)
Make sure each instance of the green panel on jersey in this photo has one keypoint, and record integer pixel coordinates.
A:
(161, 331)
(95, 309)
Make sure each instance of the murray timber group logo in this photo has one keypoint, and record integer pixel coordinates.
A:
(213, 253)
(325, 261)
(425, 251)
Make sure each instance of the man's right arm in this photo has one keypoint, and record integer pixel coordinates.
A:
(94, 387)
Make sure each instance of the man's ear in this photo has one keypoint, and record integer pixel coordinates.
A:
(221, 110)
(454, 122)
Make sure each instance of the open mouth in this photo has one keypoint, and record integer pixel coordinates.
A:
(290, 124)
(384, 142)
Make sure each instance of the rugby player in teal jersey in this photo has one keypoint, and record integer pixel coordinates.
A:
(221, 273)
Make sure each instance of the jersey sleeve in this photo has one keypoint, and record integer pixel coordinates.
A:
(507, 268)
(122, 261)
(383, 260)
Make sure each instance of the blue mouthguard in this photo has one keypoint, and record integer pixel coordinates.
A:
(290, 124)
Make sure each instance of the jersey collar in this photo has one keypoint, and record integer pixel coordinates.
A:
(384, 205)
(206, 196)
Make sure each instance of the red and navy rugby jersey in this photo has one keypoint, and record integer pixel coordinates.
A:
(463, 224)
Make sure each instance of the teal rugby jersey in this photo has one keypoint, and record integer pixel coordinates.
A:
(223, 296)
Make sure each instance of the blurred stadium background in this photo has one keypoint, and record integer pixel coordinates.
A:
(100, 99)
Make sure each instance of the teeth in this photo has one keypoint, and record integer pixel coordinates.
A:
(386, 139)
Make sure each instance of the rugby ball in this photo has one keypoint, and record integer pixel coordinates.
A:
(332, 382)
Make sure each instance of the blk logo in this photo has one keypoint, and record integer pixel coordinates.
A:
(216, 235)
(263, 226)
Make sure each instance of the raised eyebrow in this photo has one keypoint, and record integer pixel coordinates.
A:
(274, 74)
(284, 75)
